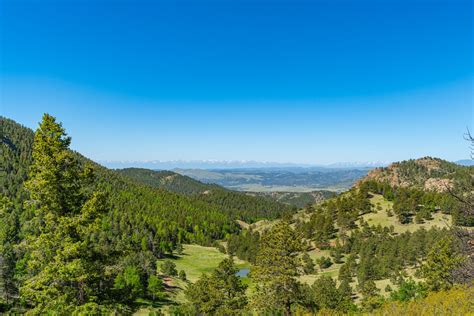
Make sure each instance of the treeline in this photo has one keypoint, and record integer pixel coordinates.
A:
(168, 180)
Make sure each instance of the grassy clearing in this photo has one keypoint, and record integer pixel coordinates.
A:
(197, 260)
(263, 225)
(332, 271)
(381, 218)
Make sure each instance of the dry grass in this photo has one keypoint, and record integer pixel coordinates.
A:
(380, 217)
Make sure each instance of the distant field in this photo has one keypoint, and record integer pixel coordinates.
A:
(279, 179)
(276, 188)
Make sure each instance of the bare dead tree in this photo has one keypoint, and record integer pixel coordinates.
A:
(465, 197)
(468, 136)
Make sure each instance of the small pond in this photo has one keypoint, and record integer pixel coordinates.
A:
(243, 272)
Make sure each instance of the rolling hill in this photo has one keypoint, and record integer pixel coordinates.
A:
(168, 180)
(424, 173)
(231, 201)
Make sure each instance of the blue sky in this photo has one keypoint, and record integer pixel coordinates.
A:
(285, 81)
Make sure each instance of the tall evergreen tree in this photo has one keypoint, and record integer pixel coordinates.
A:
(326, 294)
(441, 262)
(63, 269)
(221, 293)
(276, 268)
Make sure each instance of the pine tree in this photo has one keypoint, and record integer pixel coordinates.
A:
(63, 269)
(345, 290)
(276, 269)
(309, 266)
(368, 288)
(179, 249)
(440, 263)
(182, 275)
(221, 293)
(169, 268)
(326, 294)
(155, 286)
(129, 285)
(407, 290)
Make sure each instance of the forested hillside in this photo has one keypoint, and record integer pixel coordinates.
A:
(255, 202)
(137, 223)
(16, 144)
(131, 202)
(244, 206)
(168, 180)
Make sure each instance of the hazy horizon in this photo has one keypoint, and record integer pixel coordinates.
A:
(249, 164)
(233, 164)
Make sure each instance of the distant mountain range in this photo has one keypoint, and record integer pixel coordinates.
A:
(465, 162)
(234, 164)
(246, 164)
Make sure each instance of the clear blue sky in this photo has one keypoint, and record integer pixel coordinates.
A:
(286, 81)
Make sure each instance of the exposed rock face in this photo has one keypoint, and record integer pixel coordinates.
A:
(426, 173)
(389, 174)
(438, 185)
